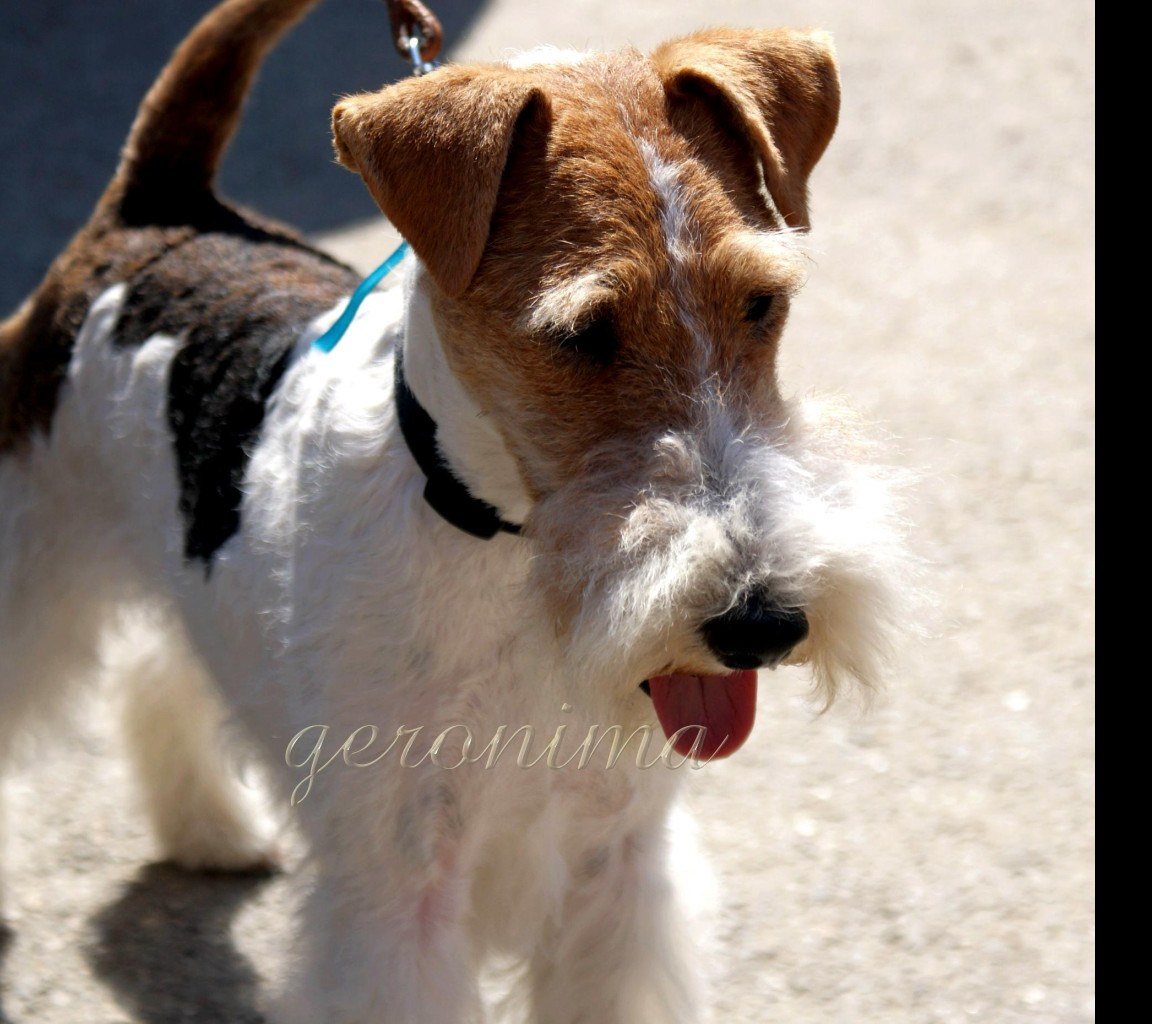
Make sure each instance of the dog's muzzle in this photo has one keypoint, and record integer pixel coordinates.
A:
(754, 633)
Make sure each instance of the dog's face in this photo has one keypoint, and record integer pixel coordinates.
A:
(614, 242)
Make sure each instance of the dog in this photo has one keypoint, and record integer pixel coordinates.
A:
(550, 481)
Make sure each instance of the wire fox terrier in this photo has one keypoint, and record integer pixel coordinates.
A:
(549, 480)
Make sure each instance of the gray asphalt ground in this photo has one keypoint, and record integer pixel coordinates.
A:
(928, 863)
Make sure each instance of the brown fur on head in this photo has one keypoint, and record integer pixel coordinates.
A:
(529, 193)
(433, 150)
(781, 87)
(433, 158)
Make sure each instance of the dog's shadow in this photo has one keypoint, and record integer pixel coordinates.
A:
(5, 943)
(165, 948)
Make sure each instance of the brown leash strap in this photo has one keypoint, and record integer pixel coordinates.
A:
(412, 20)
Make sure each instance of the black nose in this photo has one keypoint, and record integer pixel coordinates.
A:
(754, 633)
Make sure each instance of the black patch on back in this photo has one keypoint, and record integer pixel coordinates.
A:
(217, 395)
(238, 299)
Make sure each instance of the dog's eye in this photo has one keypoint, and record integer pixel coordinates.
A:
(758, 308)
(594, 338)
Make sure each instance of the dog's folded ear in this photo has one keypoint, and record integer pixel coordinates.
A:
(432, 151)
(780, 87)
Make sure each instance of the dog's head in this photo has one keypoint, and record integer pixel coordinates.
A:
(611, 242)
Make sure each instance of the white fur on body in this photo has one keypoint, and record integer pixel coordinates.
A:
(345, 601)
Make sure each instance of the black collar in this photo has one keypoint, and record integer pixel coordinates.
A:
(443, 491)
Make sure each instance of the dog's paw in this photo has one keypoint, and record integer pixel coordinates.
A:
(220, 841)
(246, 854)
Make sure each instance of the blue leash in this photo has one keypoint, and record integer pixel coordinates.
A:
(331, 337)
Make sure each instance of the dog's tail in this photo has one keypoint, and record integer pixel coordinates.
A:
(188, 117)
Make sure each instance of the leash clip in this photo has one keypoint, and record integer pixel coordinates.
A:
(420, 66)
(416, 34)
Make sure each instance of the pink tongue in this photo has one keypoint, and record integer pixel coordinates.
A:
(724, 705)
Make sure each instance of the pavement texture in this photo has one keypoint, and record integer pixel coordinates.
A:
(928, 862)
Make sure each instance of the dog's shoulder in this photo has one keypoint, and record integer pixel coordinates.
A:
(228, 285)
(233, 279)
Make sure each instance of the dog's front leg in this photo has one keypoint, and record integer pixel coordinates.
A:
(382, 938)
(620, 954)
